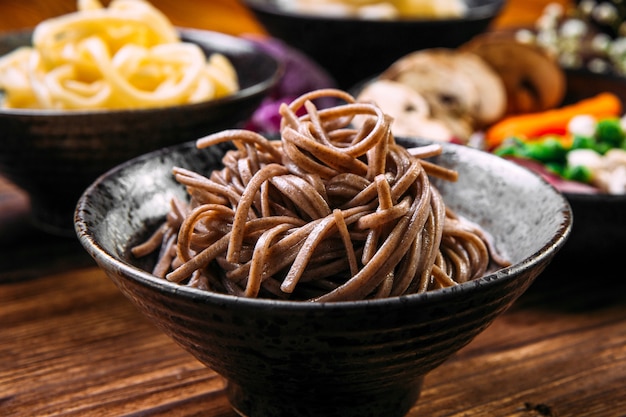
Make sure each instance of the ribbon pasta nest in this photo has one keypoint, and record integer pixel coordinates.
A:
(125, 56)
(327, 213)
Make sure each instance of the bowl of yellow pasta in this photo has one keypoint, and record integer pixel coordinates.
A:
(357, 39)
(86, 91)
(326, 272)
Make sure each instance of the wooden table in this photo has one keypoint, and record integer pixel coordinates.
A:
(72, 345)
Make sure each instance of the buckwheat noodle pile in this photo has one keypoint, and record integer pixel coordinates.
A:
(327, 213)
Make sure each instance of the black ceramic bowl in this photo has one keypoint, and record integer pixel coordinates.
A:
(55, 155)
(355, 49)
(348, 359)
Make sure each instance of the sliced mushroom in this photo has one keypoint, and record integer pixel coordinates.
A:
(410, 110)
(533, 79)
(460, 88)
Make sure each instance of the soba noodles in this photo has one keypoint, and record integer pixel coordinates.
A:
(326, 213)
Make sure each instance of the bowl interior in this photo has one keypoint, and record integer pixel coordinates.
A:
(525, 216)
(345, 46)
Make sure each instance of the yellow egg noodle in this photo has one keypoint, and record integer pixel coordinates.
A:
(379, 9)
(127, 55)
(328, 213)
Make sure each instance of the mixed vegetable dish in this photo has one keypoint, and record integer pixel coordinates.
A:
(584, 142)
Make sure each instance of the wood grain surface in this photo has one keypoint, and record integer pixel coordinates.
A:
(72, 345)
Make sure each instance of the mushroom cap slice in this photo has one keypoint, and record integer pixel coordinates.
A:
(455, 84)
(410, 111)
(533, 79)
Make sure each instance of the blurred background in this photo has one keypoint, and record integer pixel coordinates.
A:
(228, 16)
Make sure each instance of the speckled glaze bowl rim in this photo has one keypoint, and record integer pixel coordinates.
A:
(241, 94)
(103, 258)
(485, 11)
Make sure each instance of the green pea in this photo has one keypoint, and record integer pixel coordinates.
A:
(555, 168)
(578, 173)
(505, 151)
(583, 142)
(548, 150)
(602, 147)
(610, 131)
(512, 147)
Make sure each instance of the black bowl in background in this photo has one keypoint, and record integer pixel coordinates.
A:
(348, 359)
(54, 155)
(356, 49)
(599, 230)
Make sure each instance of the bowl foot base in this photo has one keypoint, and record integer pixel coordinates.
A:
(393, 403)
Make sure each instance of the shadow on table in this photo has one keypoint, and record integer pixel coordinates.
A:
(27, 252)
(576, 282)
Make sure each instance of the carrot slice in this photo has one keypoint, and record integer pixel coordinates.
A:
(552, 121)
